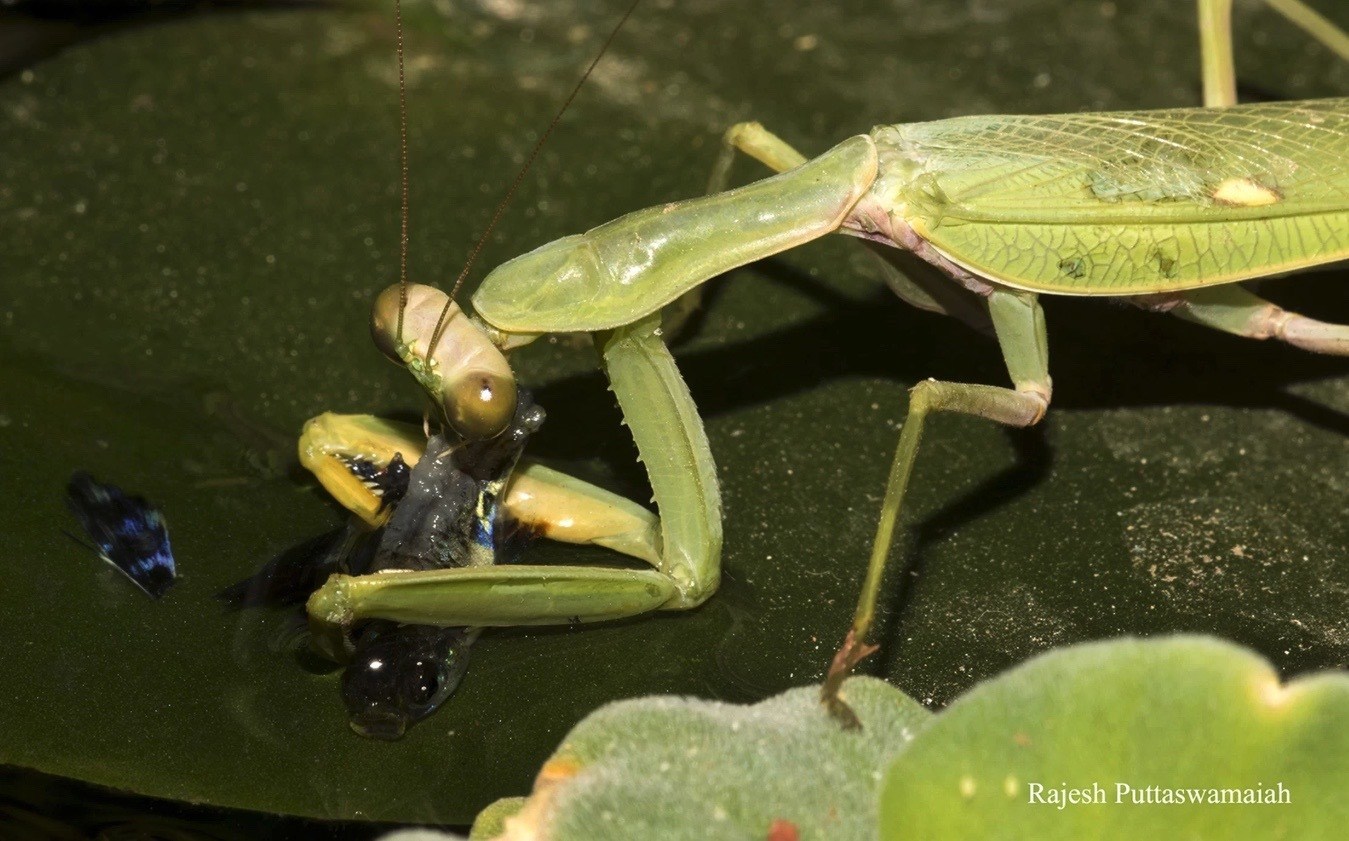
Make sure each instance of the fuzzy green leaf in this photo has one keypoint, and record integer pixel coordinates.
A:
(1138, 730)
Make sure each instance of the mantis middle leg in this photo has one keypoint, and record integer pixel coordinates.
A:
(1020, 328)
(1019, 325)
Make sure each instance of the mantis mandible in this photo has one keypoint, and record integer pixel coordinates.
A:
(1168, 210)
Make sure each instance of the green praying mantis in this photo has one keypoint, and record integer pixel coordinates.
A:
(1168, 210)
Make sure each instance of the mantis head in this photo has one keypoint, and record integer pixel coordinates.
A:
(465, 374)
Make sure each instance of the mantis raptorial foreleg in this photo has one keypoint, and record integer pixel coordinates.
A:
(679, 246)
(762, 145)
(672, 444)
(566, 509)
(548, 502)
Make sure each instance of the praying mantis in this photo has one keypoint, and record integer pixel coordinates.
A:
(1168, 210)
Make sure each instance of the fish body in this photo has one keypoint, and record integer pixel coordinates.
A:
(448, 516)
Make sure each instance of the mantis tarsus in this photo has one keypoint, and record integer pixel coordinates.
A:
(1169, 210)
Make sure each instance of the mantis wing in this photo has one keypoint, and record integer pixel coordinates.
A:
(1128, 203)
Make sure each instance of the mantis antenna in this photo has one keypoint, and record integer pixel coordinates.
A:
(403, 166)
(510, 192)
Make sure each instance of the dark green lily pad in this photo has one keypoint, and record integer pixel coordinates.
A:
(201, 211)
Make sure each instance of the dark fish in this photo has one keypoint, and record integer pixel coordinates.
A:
(448, 516)
(127, 532)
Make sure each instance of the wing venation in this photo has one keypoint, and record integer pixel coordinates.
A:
(1129, 202)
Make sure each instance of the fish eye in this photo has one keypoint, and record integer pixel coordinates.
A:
(400, 674)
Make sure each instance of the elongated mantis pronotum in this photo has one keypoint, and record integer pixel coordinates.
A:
(1166, 209)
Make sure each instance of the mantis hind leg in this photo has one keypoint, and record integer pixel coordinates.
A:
(1019, 324)
(1215, 40)
(1234, 310)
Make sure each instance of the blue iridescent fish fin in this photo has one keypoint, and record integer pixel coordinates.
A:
(126, 531)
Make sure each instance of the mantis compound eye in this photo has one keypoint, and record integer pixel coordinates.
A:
(384, 323)
(480, 404)
(465, 375)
